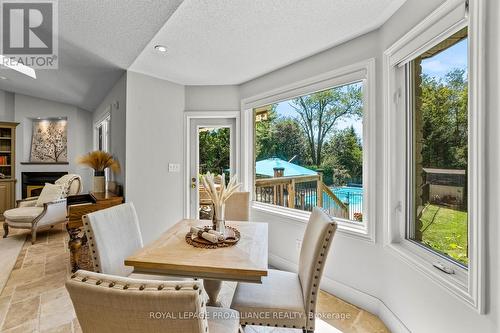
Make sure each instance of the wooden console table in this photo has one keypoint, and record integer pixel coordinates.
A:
(78, 206)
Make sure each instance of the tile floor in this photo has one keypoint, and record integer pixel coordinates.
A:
(35, 300)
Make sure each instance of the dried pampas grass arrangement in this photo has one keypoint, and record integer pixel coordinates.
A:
(100, 160)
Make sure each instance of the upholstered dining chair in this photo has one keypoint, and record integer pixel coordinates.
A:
(113, 234)
(45, 210)
(238, 207)
(287, 299)
(106, 303)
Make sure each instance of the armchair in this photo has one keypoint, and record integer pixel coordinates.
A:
(27, 215)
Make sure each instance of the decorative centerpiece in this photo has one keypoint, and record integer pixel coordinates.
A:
(219, 197)
(99, 161)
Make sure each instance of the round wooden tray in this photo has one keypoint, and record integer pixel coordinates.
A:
(232, 236)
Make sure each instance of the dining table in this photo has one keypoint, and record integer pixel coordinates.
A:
(171, 255)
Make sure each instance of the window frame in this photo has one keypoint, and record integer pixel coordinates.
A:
(450, 17)
(364, 72)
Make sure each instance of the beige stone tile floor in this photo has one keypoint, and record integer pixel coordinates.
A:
(35, 300)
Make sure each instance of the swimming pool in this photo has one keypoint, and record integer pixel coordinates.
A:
(349, 194)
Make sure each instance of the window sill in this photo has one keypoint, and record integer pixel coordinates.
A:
(423, 260)
(346, 227)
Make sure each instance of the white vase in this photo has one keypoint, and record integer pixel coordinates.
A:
(99, 184)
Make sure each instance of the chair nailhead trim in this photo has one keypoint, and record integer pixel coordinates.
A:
(98, 282)
(85, 279)
(177, 287)
(160, 287)
(195, 287)
(125, 287)
(73, 276)
(142, 287)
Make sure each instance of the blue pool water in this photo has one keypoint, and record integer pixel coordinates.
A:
(349, 194)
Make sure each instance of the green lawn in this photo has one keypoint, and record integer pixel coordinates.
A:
(445, 230)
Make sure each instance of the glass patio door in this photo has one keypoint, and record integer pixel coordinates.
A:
(212, 149)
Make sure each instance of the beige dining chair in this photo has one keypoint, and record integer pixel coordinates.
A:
(113, 234)
(238, 207)
(286, 299)
(105, 303)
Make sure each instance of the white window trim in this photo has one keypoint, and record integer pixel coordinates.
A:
(363, 71)
(467, 285)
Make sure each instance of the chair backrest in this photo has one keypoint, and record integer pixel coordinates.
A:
(238, 207)
(315, 245)
(113, 234)
(105, 303)
(71, 183)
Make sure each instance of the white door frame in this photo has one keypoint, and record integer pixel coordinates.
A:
(188, 116)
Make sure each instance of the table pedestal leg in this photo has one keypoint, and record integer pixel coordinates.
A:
(212, 287)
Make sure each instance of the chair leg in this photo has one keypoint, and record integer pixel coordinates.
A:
(5, 229)
(33, 236)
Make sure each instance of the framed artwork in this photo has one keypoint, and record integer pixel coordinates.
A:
(49, 143)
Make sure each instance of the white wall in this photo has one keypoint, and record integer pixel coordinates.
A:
(419, 303)
(79, 137)
(212, 98)
(154, 139)
(6, 106)
(116, 102)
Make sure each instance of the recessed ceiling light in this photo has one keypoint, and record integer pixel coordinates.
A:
(3, 78)
(160, 48)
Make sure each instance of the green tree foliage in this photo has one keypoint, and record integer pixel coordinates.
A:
(444, 120)
(280, 137)
(343, 158)
(318, 113)
(214, 150)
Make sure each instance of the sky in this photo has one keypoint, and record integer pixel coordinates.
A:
(441, 63)
(437, 66)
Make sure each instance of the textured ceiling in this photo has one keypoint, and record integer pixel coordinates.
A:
(232, 41)
(98, 39)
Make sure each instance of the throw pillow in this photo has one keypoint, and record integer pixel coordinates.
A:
(50, 192)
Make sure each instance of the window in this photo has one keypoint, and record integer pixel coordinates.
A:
(102, 134)
(434, 180)
(438, 148)
(309, 152)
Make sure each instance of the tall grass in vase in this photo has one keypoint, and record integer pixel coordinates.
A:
(100, 161)
(219, 195)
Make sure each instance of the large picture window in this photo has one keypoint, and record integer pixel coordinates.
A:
(309, 152)
(438, 148)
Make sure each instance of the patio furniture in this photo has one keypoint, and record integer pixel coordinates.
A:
(238, 207)
(290, 293)
(46, 210)
(106, 303)
(170, 254)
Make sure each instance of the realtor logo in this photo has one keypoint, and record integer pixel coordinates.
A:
(29, 31)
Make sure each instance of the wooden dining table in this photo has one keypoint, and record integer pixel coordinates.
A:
(170, 254)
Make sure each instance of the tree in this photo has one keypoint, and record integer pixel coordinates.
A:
(319, 112)
(344, 157)
(214, 150)
(279, 137)
(444, 120)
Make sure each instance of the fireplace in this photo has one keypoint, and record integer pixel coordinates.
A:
(33, 182)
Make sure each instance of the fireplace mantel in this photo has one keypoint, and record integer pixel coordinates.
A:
(44, 163)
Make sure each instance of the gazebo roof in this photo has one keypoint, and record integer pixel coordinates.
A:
(266, 168)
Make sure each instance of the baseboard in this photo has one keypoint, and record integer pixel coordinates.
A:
(349, 294)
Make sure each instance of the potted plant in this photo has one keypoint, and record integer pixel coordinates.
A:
(99, 161)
